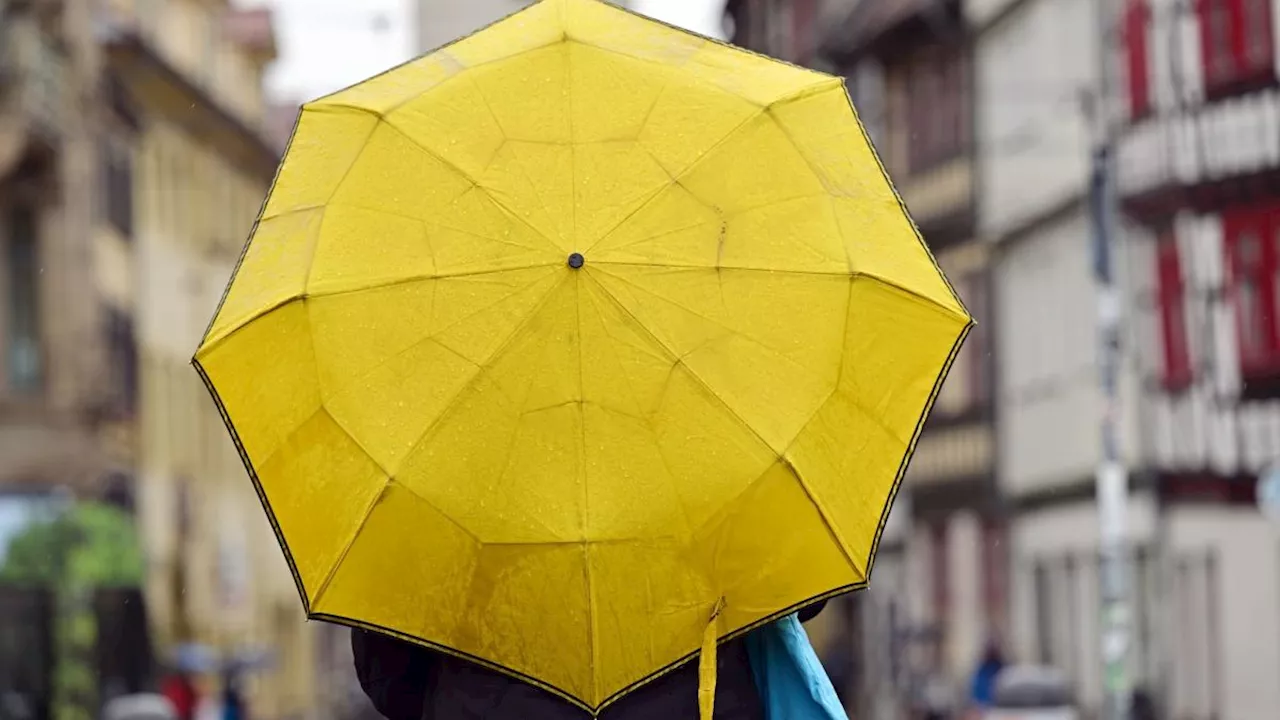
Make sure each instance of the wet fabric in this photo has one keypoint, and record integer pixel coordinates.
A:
(551, 343)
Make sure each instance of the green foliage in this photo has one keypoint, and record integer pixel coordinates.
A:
(90, 545)
(86, 547)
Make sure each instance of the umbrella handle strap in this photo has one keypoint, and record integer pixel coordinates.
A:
(707, 665)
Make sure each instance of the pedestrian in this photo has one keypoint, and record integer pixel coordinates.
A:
(233, 707)
(982, 690)
(409, 682)
(180, 689)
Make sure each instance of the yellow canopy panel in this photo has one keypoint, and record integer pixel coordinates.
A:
(551, 341)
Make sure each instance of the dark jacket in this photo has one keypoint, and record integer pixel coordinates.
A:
(409, 682)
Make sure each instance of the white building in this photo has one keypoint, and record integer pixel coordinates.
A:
(1199, 160)
(1199, 156)
(1036, 62)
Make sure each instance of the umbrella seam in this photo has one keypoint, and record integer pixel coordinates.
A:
(429, 338)
(210, 345)
(427, 224)
(843, 543)
(449, 406)
(722, 219)
(586, 494)
(537, 194)
(851, 275)
(825, 514)
(406, 216)
(670, 476)
(475, 183)
(675, 180)
(679, 361)
(364, 519)
(382, 120)
(573, 135)
(755, 341)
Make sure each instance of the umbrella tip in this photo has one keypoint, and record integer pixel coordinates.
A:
(576, 260)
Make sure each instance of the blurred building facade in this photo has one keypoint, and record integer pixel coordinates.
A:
(1036, 72)
(985, 113)
(67, 362)
(1198, 108)
(66, 372)
(195, 173)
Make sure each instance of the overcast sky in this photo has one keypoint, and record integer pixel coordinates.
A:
(329, 44)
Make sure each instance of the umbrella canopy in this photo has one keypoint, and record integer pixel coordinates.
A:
(556, 343)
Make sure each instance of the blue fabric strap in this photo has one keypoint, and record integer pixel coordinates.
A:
(792, 682)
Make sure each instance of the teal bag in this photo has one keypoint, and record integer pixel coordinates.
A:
(792, 682)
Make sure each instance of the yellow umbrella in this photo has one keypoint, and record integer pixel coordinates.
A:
(555, 344)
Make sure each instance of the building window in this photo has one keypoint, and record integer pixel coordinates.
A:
(1137, 19)
(1173, 322)
(1251, 237)
(122, 356)
(1043, 593)
(24, 361)
(937, 108)
(1236, 45)
(117, 186)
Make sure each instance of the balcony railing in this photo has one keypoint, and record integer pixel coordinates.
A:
(1201, 146)
(33, 75)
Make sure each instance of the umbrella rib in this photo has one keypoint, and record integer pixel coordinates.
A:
(428, 224)
(675, 180)
(346, 547)
(722, 220)
(468, 178)
(430, 338)
(781, 455)
(722, 326)
(680, 361)
(737, 268)
(915, 294)
(208, 346)
(506, 344)
(592, 615)
(670, 476)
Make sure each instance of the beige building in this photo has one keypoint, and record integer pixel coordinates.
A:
(200, 169)
(66, 370)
